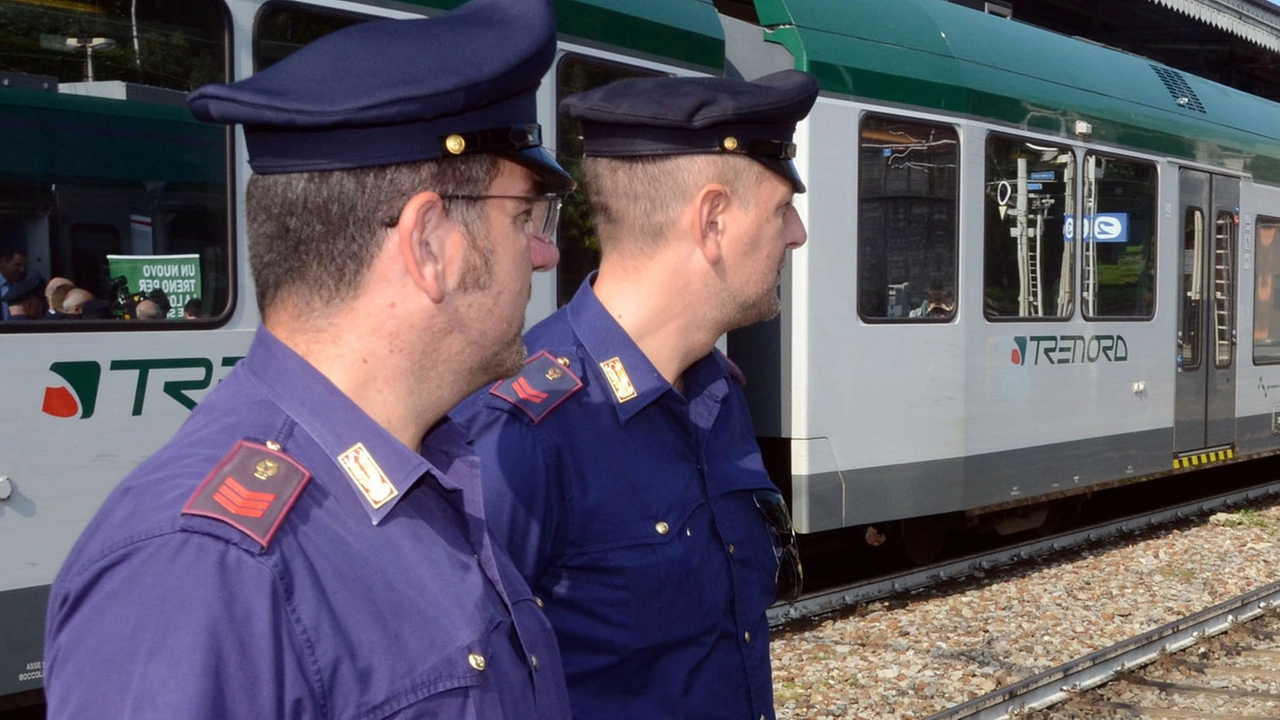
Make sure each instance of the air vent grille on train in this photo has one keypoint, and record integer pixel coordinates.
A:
(1178, 88)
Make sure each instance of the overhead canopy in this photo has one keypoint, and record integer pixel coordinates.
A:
(1254, 20)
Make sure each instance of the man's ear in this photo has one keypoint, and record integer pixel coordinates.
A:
(424, 238)
(711, 207)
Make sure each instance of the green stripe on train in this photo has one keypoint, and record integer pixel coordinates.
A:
(937, 55)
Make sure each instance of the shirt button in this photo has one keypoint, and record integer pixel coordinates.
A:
(747, 636)
(732, 549)
(539, 601)
(662, 528)
(476, 660)
(533, 660)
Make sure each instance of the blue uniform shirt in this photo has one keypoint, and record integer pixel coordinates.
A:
(629, 509)
(403, 611)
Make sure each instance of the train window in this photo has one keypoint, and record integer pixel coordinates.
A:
(1192, 290)
(908, 192)
(101, 155)
(1224, 320)
(283, 27)
(1118, 238)
(1029, 244)
(1266, 293)
(579, 248)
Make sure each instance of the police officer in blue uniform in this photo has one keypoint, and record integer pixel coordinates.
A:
(621, 469)
(312, 543)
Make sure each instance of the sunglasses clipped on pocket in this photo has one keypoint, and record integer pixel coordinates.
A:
(790, 576)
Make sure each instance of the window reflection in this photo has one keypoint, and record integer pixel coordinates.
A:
(102, 158)
(907, 233)
(1029, 247)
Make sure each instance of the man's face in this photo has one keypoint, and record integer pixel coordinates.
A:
(14, 268)
(755, 252)
(496, 276)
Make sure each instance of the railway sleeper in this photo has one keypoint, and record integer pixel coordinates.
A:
(1091, 708)
(1172, 688)
(1221, 671)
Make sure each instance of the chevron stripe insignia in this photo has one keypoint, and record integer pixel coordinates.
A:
(543, 384)
(251, 489)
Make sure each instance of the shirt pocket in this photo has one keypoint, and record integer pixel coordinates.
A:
(458, 683)
(645, 580)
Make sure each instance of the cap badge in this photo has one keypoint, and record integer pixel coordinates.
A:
(265, 468)
(729, 143)
(618, 379)
(365, 473)
(455, 144)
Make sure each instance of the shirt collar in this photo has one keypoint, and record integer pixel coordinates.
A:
(376, 467)
(608, 344)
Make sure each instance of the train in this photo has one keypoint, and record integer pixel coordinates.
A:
(1037, 267)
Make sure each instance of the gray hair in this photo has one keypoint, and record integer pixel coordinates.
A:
(313, 235)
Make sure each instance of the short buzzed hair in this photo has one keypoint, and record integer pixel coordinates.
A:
(642, 197)
(314, 235)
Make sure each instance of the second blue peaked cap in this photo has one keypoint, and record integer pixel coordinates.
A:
(682, 115)
(393, 91)
(657, 116)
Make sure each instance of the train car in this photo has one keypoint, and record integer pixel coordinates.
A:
(1037, 267)
(108, 181)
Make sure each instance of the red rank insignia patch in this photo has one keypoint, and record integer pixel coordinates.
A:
(251, 489)
(540, 387)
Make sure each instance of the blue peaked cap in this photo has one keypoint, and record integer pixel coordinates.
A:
(686, 115)
(393, 91)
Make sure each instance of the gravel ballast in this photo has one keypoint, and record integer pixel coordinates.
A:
(912, 657)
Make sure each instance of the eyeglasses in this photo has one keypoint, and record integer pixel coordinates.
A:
(541, 217)
(790, 575)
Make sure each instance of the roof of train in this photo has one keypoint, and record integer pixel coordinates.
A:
(130, 141)
(686, 32)
(933, 54)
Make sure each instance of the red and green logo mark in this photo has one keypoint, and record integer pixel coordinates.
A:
(80, 394)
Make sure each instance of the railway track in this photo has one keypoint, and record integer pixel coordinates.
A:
(845, 596)
(1216, 664)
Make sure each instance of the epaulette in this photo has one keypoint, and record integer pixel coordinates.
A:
(251, 489)
(540, 387)
(732, 367)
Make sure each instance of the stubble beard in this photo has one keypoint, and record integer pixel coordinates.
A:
(743, 311)
(508, 356)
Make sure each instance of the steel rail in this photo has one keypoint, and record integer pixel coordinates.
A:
(1059, 684)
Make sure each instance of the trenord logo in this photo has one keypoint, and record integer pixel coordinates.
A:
(83, 378)
(1068, 349)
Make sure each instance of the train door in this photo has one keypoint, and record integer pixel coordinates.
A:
(1205, 401)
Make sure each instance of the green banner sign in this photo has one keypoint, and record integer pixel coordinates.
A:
(177, 275)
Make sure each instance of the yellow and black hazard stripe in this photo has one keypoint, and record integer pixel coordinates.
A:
(1204, 458)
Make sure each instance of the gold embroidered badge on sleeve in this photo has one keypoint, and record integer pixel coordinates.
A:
(366, 474)
(618, 379)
